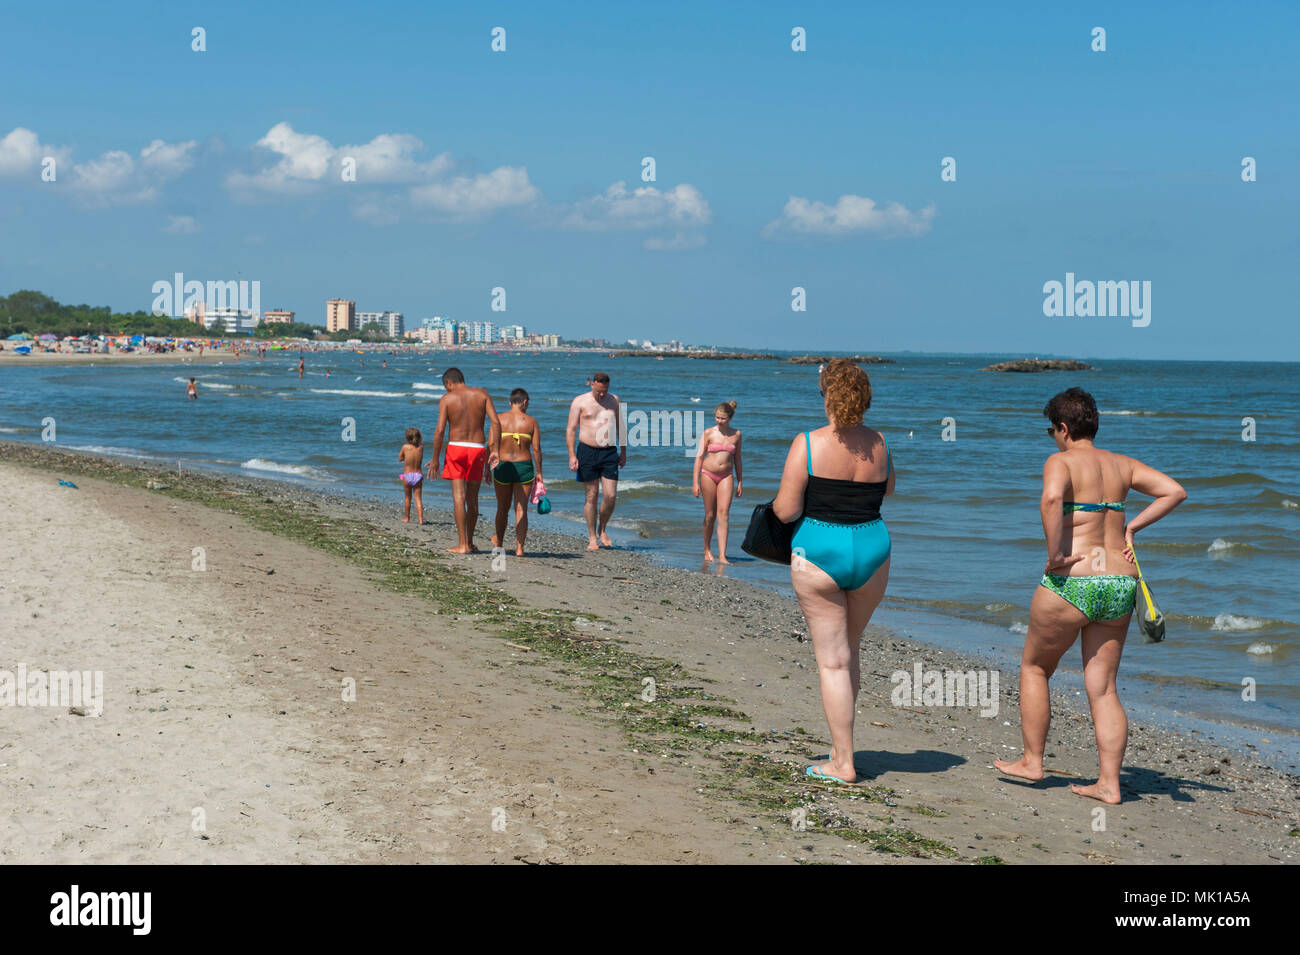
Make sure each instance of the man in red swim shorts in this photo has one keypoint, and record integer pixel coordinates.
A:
(461, 412)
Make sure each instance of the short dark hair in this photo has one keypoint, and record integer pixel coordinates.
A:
(518, 396)
(600, 377)
(453, 376)
(1075, 409)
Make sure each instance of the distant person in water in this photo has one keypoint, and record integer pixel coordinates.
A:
(192, 390)
(1089, 584)
(596, 451)
(520, 468)
(412, 476)
(460, 419)
(717, 460)
(302, 363)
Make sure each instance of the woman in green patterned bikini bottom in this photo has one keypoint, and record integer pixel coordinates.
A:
(1099, 597)
(1071, 602)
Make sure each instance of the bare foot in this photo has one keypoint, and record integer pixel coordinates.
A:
(1023, 768)
(496, 542)
(519, 550)
(708, 556)
(473, 550)
(722, 559)
(593, 544)
(459, 549)
(1098, 791)
(604, 539)
(406, 520)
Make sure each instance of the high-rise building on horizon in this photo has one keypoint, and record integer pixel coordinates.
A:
(340, 315)
(230, 320)
(393, 323)
(276, 315)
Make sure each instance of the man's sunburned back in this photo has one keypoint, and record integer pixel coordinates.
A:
(466, 409)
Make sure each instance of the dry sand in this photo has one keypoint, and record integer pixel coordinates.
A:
(223, 693)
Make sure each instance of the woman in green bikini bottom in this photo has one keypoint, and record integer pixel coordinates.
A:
(513, 477)
(1088, 584)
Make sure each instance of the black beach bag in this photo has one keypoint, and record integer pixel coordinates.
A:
(768, 538)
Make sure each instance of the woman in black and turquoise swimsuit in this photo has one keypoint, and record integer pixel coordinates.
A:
(834, 481)
(1088, 584)
(513, 477)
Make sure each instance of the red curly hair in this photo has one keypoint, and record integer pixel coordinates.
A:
(848, 392)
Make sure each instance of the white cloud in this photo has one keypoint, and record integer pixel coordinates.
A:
(304, 160)
(849, 216)
(307, 160)
(646, 207)
(114, 178)
(167, 160)
(391, 158)
(21, 152)
(468, 196)
(181, 225)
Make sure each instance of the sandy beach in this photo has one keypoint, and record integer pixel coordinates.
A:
(209, 357)
(501, 714)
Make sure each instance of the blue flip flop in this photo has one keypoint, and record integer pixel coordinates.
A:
(67, 484)
(816, 773)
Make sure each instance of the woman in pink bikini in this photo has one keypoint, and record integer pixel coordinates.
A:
(718, 455)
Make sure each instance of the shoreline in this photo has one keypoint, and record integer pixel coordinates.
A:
(750, 763)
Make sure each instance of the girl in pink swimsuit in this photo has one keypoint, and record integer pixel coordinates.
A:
(717, 456)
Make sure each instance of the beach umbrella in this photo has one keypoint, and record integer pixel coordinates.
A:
(20, 337)
(49, 336)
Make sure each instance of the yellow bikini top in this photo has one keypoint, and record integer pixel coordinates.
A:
(517, 435)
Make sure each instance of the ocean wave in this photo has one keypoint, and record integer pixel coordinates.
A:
(1220, 547)
(995, 607)
(1229, 623)
(638, 485)
(1259, 648)
(1227, 480)
(1018, 627)
(206, 384)
(360, 394)
(10, 430)
(1290, 504)
(262, 464)
(110, 449)
(426, 386)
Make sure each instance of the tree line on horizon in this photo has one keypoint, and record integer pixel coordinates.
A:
(37, 313)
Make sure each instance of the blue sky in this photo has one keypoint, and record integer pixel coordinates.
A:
(478, 169)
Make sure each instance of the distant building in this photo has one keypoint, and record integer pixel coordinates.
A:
(340, 315)
(274, 316)
(230, 321)
(194, 313)
(481, 333)
(513, 333)
(551, 341)
(391, 322)
(462, 334)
